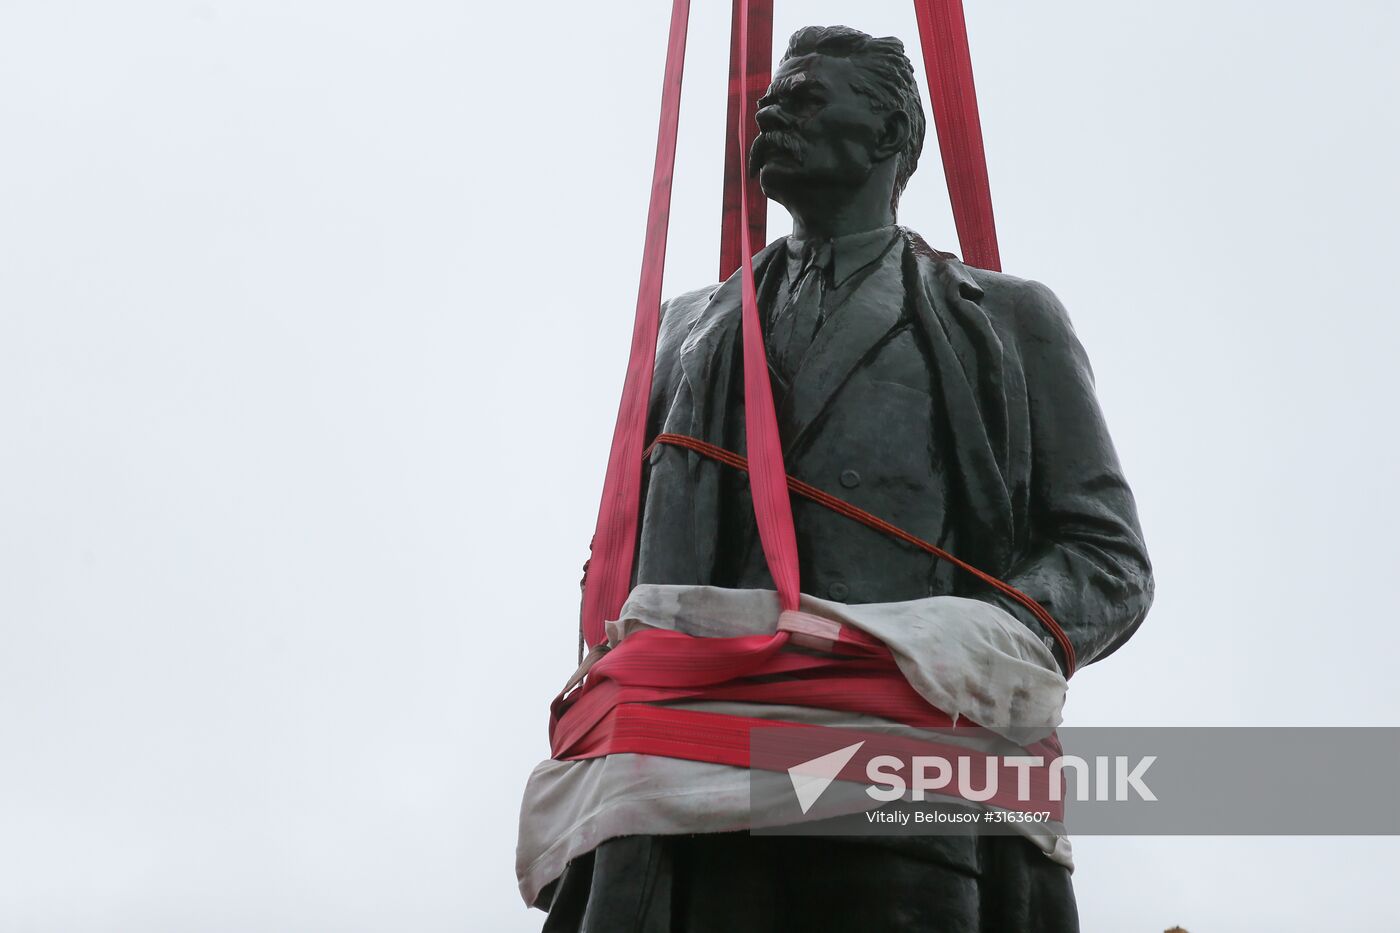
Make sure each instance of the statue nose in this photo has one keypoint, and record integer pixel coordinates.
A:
(772, 118)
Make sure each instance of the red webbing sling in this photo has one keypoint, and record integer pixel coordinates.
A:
(948, 63)
(605, 707)
(767, 475)
(614, 545)
(739, 134)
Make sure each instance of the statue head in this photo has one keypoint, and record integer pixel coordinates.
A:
(841, 122)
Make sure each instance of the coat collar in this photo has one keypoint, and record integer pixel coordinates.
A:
(850, 253)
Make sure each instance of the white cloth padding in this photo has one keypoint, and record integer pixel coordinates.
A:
(966, 657)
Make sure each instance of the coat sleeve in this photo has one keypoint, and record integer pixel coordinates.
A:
(1084, 560)
(677, 316)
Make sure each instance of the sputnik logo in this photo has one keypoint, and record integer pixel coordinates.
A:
(810, 779)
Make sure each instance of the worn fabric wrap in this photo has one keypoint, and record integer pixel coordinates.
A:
(966, 657)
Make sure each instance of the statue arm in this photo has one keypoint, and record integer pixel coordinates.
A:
(1086, 562)
(676, 316)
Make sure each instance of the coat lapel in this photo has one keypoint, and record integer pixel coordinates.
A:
(967, 364)
(705, 354)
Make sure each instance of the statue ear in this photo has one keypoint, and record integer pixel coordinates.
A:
(894, 135)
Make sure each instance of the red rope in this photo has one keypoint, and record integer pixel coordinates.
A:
(842, 507)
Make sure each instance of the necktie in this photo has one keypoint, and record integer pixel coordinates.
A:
(803, 316)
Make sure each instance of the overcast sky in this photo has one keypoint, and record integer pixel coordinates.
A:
(312, 324)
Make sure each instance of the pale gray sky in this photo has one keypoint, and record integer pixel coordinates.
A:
(312, 324)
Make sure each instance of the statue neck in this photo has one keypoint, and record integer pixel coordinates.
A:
(827, 213)
(831, 227)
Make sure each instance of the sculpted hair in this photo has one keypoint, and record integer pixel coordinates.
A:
(887, 81)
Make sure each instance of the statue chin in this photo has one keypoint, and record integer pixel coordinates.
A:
(781, 176)
(813, 189)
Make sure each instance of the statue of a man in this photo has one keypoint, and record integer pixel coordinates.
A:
(951, 401)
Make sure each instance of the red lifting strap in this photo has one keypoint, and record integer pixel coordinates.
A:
(615, 535)
(767, 475)
(738, 139)
(948, 62)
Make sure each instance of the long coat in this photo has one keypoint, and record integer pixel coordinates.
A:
(954, 402)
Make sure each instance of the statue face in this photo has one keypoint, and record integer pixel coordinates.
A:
(815, 132)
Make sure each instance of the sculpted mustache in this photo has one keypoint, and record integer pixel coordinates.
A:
(774, 142)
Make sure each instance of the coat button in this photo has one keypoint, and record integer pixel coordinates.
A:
(850, 479)
(838, 590)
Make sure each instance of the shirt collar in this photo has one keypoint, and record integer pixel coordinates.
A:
(850, 253)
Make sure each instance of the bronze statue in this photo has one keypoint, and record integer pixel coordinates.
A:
(954, 402)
